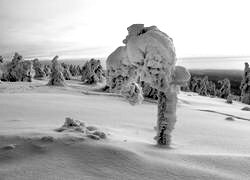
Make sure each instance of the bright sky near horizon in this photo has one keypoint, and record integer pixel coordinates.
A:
(94, 28)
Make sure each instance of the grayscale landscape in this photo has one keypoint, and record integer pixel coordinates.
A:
(115, 90)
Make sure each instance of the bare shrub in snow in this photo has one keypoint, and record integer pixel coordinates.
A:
(245, 85)
(56, 76)
(92, 72)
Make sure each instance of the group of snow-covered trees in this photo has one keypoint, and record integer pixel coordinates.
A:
(19, 69)
(118, 72)
(221, 88)
(204, 87)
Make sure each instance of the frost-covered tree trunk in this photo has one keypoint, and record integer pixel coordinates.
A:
(166, 116)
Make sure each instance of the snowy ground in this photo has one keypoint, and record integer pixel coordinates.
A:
(205, 144)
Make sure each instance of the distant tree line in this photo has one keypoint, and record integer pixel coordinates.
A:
(92, 72)
(204, 87)
(19, 69)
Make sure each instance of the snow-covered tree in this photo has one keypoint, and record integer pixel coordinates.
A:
(73, 70)
(152, 53)
(56, 76)
(18, 70)
(66, 72)
(245, 85)
(37, 66)
(78, 70)
(225, 88)
(92, 72)
(119, 71)
(204, 86)
(47, 70)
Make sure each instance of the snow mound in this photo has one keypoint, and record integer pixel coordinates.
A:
(71, 125)
(245, 108)
(9, 147)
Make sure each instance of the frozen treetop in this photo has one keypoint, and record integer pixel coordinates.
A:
(119, 69)
(153, 52)
(55, 59)
(247, 69)
(147, 42)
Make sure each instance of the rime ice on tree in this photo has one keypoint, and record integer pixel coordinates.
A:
(92, 72)
(37, 66)
(56, 76)
(17, 70)
(225, 89)
(119, 71)
(153, 53)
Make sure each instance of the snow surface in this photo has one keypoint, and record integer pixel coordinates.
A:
(205, 144)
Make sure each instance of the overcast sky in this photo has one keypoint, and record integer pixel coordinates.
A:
(94, 28)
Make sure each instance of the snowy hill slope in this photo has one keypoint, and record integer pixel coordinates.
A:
(205, 145)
